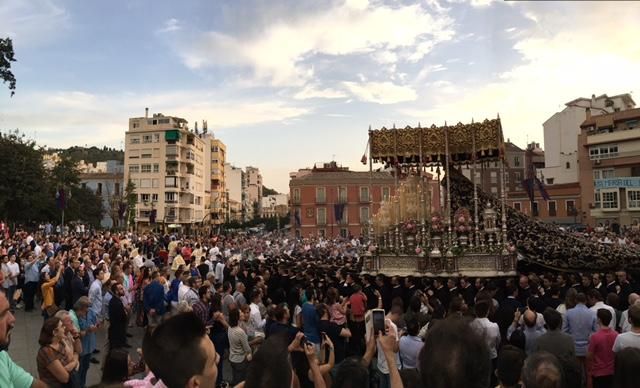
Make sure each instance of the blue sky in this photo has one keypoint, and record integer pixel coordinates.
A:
(289, 83)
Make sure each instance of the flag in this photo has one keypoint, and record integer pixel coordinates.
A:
(61, 200)
(527, 185)
(338, 210)
(543, 191)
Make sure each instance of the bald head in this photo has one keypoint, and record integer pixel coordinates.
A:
(633, 298)
(529, 318)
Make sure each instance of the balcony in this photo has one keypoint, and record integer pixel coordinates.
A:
(321, 223)
(631, 182)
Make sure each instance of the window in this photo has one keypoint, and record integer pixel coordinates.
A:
(344, 233)
(198, 200)
(145, 168)
(494, 190)
(322, 233)
(534, 209)
(117, 188)
(568, 165)
(134, 168)
(154, 197)
(170, 197)
(296, 195)
(144, 198)
(518, 176)
(633, 199)
(135, 140)
(171, 181)
(147, 138)
(552, 209)
(99, 189)
(386, 193)
(516, 161)
(321, 196)
(571, 207)
(494, 177)
(603, 152)
(342, 195)
(155, 183)
(145, 183)
(364, 194)
(517, 206)
(597, 199)
(321, 216)
(609, 199)
(156, 167)
(550, 181)
(364, 215)
(156, 138)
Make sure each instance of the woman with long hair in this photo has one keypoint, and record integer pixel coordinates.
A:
(54, 366)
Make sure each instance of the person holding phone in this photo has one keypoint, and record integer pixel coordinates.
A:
(388, 349)
(334, 332)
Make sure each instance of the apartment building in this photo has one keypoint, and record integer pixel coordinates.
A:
(488, 173)
(253, 188)
(318, 194)
(170, 167)
(106, 180)
(236, 193)
(609, 150)
(218, 197)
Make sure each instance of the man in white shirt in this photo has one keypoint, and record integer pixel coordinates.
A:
(630, 339)
(256, 323)
(594, 298)
(625, 326)
(485, 328)
(95, 294)
(183, 288)
(220, 270)
(392, 330)
(12, 270)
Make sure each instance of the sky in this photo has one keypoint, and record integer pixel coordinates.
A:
(290, 83)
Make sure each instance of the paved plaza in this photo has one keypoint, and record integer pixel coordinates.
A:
(24, 344)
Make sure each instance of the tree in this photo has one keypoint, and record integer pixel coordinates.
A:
(132, 200)
(6, 57)
(267, 191)
(24, 188)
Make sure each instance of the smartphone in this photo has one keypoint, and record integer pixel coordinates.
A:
(378, 321)
(303, 341)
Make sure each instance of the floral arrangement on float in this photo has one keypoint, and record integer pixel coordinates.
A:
(462, 221)
(437, 225)
(410, 227)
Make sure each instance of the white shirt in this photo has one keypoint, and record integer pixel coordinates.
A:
(382, 361)
(137, 261)
(625, 326)
(220, 272)
(601, 305)
(490, 332)
(182, 291)
(256, 323)
(13, 269)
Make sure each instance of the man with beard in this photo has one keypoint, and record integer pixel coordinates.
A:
(11, 374)
(117, 318)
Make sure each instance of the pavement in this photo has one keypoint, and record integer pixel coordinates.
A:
(24, 344)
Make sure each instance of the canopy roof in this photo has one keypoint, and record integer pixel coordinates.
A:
(429, 145)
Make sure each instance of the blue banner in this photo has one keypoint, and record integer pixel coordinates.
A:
(614, 183)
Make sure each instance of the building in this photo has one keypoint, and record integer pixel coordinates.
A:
(236, 193)
(167, 163)
(609, 150)
(561, 134)
(218, 195)
(253, 188)
(274, 204)
(105, 179)
(319, 194)
(488, 173)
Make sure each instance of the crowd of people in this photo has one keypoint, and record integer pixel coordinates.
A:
(271, 311)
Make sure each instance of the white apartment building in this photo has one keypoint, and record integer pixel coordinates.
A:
(561, 134)
(234, 181)
(170, 167)
(253, 187)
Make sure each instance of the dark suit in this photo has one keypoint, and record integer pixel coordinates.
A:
(505, 314)
(117, 323)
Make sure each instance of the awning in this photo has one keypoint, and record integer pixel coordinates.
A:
(172, 135)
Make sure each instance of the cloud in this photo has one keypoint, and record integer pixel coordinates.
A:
(170, 25)
(66, 118)
(381, 92)
(278, 54)
(311, 91)
(34, 22)
(557, 63)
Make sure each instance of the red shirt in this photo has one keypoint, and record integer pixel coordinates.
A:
(358, 302)
(601, 348)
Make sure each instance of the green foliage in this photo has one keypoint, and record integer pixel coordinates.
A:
(132, 200)
(7, 56)
(91, 154)
(24, 187)
(267, 191)
(28, 191)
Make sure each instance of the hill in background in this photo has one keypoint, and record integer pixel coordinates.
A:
(91, 154)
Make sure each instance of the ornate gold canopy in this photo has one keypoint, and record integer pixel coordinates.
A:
(428, 145)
